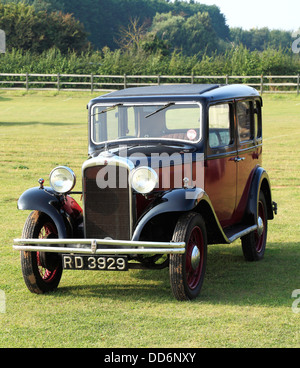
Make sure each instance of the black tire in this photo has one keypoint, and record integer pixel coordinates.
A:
(254, 244)
(41, 271)
(187, 271)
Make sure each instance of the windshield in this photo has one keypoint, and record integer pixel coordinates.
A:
(165, 121)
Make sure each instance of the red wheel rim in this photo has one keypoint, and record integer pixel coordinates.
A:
(47, 275)
(194, 258)
(260, 240)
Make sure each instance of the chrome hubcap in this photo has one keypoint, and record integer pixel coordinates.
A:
(195, 260)
(260, 226)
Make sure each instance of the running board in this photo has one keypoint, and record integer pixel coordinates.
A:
(238, 232)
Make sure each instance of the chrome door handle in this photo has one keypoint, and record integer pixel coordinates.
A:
(239, 159)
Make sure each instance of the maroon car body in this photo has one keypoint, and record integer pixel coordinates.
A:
(170, 170)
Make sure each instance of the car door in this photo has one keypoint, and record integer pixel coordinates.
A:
(220, 165)
(248, 113)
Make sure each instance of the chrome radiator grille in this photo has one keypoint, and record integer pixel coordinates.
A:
(107, 211)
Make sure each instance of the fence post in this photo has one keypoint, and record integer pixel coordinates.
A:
(92, 83)
(227, 79)
(27, 81)
(158, 80)
(298, 84)
(58, 82)
(261, 84)
(125, 81)
(192, 78)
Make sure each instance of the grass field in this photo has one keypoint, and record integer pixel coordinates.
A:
(241, 305)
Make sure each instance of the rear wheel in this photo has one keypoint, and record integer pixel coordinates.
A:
(187, 271)
(254, 244)
(41, 271)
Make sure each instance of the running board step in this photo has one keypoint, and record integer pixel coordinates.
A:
(239, 231)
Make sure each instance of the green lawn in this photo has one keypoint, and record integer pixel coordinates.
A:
(241, 305)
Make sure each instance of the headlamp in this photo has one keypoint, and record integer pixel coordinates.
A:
(62, 179)
(144, 180)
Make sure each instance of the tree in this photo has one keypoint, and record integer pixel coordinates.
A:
(151, 44)
(103, 19)
(170, 28)
(37, 31)
(132, 35)
(48, 5)
(201, 36)
(66, 33)
(261, 39)
(136, 38)
(192, 35)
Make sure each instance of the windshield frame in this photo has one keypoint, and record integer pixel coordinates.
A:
(140, 139)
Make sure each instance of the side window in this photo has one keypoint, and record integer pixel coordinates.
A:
(244, 120)
(257, 120)
(219, 125)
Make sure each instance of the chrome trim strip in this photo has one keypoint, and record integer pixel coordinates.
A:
(107, 242)
(101, 251)
(107, 158)
(130, 247)
(250, 148)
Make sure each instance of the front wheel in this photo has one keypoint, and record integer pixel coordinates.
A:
(187, 271)
(41, 271)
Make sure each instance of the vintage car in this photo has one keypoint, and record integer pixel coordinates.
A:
(170, 170)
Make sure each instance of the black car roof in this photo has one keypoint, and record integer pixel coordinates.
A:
(211, 92)
(170, 90)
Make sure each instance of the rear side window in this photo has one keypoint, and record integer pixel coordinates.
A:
(257, 120)
(219, 125)
(244, 120)
(249, 120)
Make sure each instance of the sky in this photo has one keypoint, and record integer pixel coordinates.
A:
(260, 13)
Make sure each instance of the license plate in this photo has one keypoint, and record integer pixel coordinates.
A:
(95, 263)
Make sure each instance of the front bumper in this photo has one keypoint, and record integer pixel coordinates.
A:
(97, 246)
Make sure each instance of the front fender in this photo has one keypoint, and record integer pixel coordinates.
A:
(44, 200)
(177, 200)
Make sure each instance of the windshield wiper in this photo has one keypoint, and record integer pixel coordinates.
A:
(160, 109)
(110, 108)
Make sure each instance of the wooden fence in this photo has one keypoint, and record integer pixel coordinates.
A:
(94, 83)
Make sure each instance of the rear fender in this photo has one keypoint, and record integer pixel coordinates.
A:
(260, 182)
